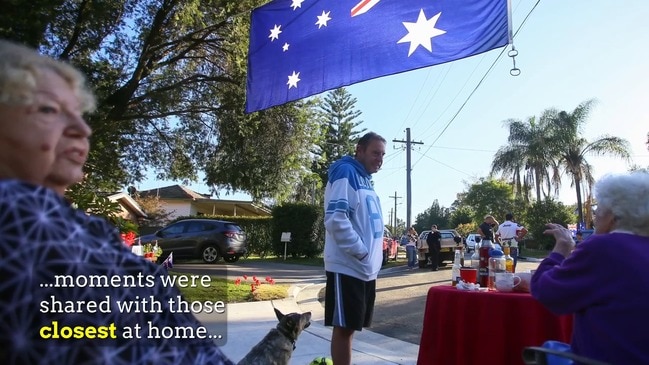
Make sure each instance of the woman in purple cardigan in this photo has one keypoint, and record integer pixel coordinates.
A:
(604, 281)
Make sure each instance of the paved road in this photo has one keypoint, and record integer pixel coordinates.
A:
(401, 293)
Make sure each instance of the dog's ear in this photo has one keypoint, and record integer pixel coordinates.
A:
(279, 314)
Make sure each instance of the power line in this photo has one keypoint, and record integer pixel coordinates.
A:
(477, 85)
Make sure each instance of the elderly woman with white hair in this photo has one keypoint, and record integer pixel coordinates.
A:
(43, 147)
(604, 281)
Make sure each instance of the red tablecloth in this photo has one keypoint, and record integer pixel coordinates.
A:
(464, 327)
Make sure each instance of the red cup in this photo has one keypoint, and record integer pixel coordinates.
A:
(468, 274)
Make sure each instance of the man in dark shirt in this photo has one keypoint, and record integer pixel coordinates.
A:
(486, 229)
(434, 241)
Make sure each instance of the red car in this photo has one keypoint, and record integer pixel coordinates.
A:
(390, 246)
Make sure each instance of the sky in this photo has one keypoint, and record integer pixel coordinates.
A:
(568, 52)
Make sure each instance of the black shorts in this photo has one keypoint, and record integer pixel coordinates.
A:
(349, 302)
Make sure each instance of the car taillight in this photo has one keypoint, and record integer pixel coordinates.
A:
(230, 234)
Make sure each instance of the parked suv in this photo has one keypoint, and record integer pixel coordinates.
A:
(451, 241)
(207, 239)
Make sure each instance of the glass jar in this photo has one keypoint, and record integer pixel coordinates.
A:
(497, 263)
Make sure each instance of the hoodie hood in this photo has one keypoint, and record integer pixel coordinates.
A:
(348, 160)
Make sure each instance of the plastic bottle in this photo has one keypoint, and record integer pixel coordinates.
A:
(455, 272)
(462, 254)
(497, 264)
(509, 260)
(475, 258)
(483, 267)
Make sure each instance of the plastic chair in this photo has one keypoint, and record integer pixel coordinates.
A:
(555, 353)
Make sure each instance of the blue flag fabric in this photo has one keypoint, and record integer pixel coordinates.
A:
(300, 48)
(168, 263)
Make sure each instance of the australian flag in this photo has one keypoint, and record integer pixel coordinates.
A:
(168, 263)
(300, 48)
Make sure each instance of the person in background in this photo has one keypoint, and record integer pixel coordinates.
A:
(434, 240)
(43, 148)
(579, 237)
(509, 233)
(603, 280)
(353, 250)
(486, 228)
(411, 248)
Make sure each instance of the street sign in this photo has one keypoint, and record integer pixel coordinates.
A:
(286, 238)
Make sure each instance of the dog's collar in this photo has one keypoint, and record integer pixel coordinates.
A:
(287, 335)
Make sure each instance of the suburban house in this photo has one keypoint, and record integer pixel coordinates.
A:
(130, 209)
(182, 201)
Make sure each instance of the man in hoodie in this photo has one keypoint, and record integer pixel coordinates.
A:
(353, 244)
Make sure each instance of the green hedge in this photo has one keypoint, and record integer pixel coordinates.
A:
(306, 224)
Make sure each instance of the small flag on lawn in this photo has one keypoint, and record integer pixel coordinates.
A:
(168, 263)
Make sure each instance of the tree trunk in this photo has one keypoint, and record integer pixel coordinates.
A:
(580, 211)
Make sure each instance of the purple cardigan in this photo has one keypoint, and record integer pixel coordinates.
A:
(605, 283)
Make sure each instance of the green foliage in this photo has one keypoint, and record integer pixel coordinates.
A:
(465, 228)
(490, 196)
(156, 215)
(338, 118)
(526, 153)
(170, 83)
(305, 222)
(461, 215)
(540, 213)
(90, 202)
(433, 215)
(570, 149)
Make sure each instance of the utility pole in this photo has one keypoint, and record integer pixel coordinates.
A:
(393, 229)
(395, 197)
(409, 144)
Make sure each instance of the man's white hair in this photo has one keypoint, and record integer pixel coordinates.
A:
(627, 197)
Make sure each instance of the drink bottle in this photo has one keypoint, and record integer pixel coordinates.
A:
(483, 267)
(455, 272)
(509, 260)
(496, 265)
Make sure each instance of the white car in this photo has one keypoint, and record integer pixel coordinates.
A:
(472, 241)
(451, 241)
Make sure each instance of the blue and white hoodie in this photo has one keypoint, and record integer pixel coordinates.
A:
(353, 222)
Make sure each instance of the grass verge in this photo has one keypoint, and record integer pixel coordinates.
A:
(234, 291)
(539, 254)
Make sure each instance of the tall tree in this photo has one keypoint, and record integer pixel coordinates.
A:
(339, 120)
(488, 196)
(170, 80)
(526, 153)
(571, 149)
(435, 214)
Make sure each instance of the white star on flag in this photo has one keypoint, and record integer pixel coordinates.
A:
(274, 33)
(421, 32)
(323, 19)
(293, 80)
(285, 47)
(296, 4)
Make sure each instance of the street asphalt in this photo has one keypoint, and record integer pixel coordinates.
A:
(400, 300)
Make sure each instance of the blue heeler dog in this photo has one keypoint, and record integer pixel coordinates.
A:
(278, 345)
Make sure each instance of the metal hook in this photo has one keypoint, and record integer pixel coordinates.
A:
(515, 71)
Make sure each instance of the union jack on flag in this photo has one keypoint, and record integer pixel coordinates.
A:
(300, 48)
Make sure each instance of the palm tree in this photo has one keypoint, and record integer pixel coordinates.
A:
(571, 149)
(526, 152)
